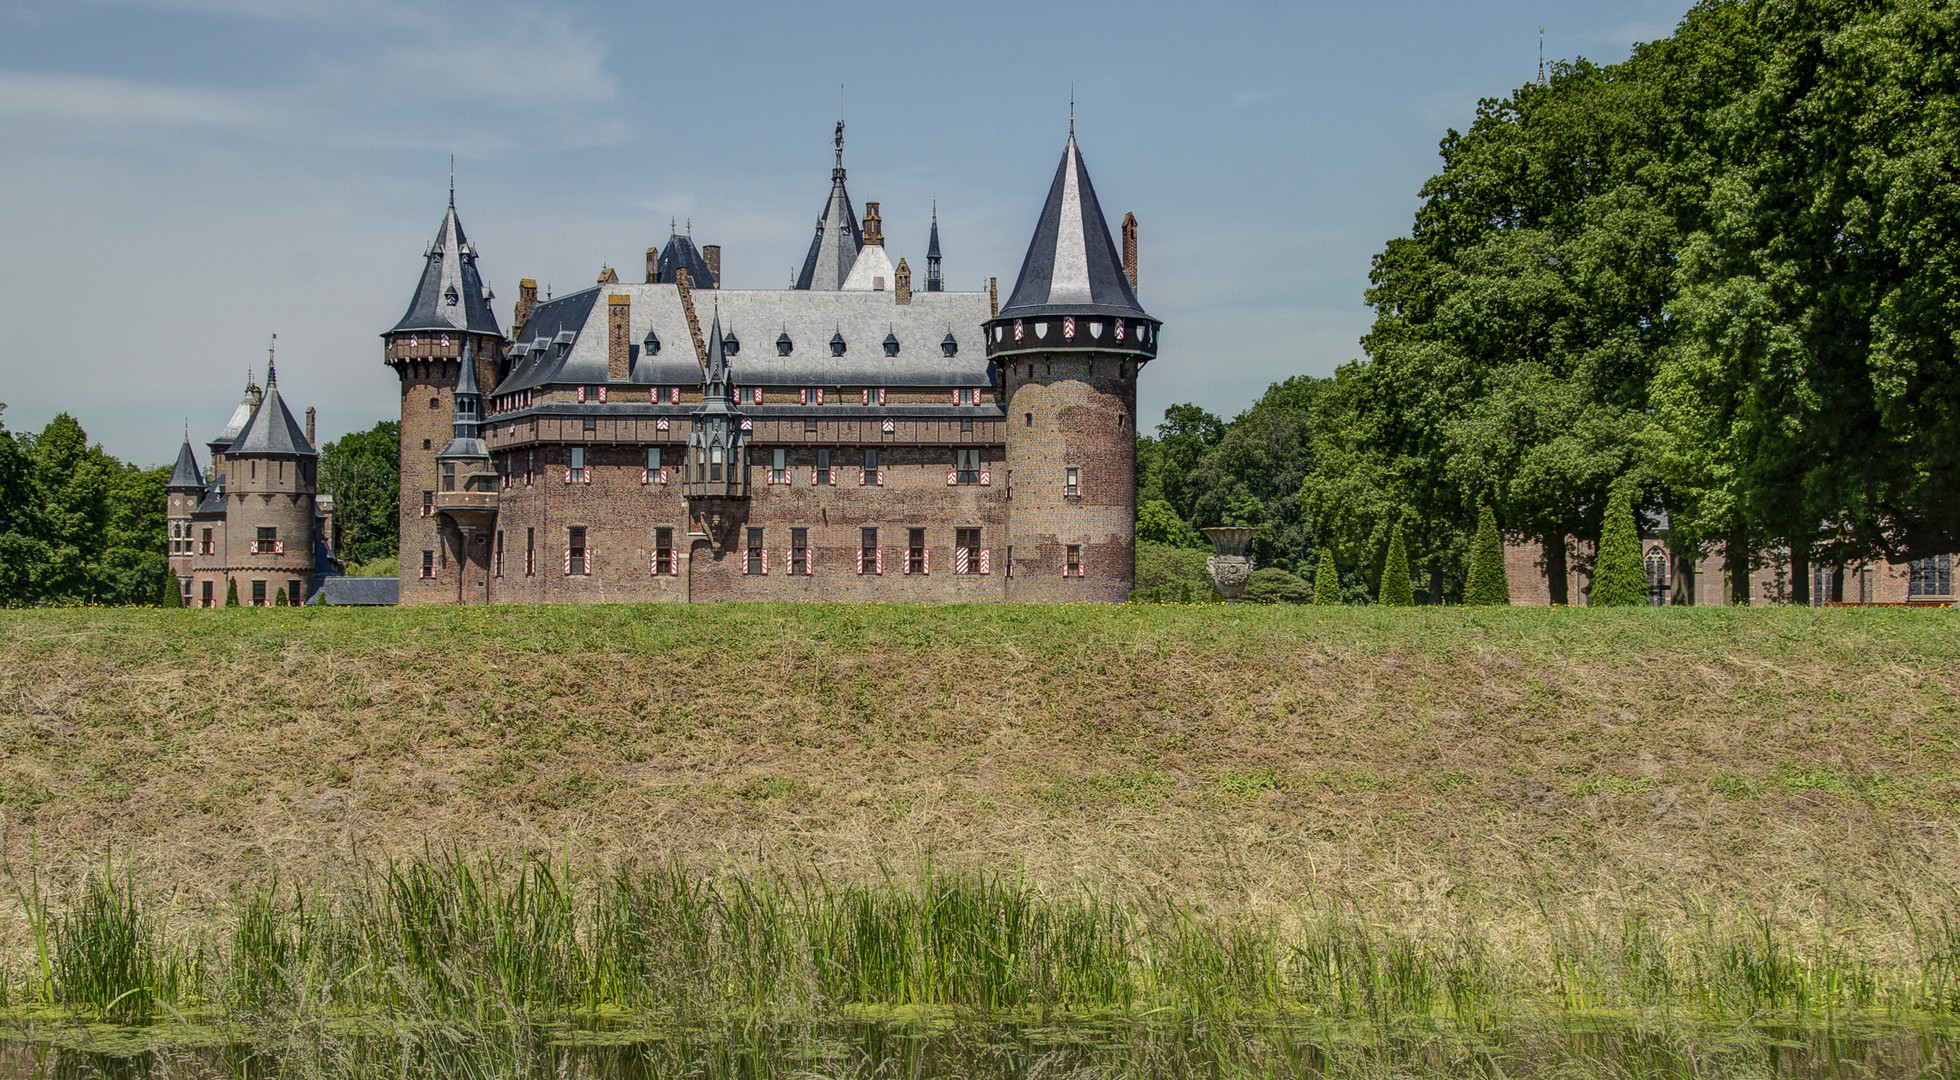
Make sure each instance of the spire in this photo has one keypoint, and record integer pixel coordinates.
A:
(933, 281)
(186, 475)
(835, 247)
(1071, 267)
(271, 371)
(466, 429)
(272, 430)
(450, 295)
(452, 181)
(1541, 56)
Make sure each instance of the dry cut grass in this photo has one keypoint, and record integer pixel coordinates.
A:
(1521, 776)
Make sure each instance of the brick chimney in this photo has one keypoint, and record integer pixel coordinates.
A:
(527, 298)
(993, 297)
(874, 226)
(619, 322)
(1130, 247)
(902, 282)
(309, 429)
(653, 265)
(711, 254)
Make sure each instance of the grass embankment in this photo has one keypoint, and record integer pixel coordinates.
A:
(1748, 811)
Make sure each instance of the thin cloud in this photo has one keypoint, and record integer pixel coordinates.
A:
(72, 98)
(1246, 97)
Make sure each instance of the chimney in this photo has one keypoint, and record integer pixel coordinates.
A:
(711, 254)
(309, 428)
(653, 265)
(527, 298)
(902, 278)
(993, 297)
(619, 327)
(1130, 247)
(874, 230)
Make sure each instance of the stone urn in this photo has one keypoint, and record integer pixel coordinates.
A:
(1231, 566)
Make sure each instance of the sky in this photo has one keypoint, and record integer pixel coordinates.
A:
(182, 179)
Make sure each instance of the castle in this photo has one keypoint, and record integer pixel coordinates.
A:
(849, 438)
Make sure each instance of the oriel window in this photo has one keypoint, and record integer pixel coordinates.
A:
(449, 476)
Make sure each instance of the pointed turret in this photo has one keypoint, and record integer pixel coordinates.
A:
(715, 467)
(450, 295)
(466, 432)
(835, 248)
(272, 429)
(240, 416)
(1073, 292)
(933, 281)
(185, 476)
(681, 254)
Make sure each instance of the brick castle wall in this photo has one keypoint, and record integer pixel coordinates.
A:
(1071, 410)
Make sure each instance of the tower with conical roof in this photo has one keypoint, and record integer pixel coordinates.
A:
(834, 250)
(269, 519)
(934, 283)
(182, 493)
(1068, 346)
(448, 313)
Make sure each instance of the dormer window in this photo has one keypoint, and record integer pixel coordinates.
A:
(452, 296)
(837, 343)
(783, 344)
(949, 345)
(891, 344)
(652, 345)
(730, 344)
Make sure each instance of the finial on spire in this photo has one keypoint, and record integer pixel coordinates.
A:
(1071, 110)
(452, 181)
(690, 228)
(271, 372)
(1541, 56)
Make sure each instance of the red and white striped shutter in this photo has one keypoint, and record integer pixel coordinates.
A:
(860, 561)
(960, 563)
(833, 477)
(881, 476)
(674, 563)
(602, 395)
(643, 476)
(986, 560)
(878, 560)
(881, 395)
(803, 396)
(809, 561)
(568, 475)
(867, 396)
(653, 395)
(581, 395)
(588, 474)
(765, 561)
(589, 556)
(813, 476)
(928, 559)
(957, 395)
(568, 562)
(986, 477)
(952, 477)
(663, 474)
(820, 395)
(653, 561)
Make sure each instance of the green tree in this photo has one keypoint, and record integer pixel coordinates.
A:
(70, 511)
(1271, 585)
(362, 471)
(133, 563)
(1619, 576)
(1326, 581)
(1396, 590)
(1182, 440)
(1487, 583)
(1159, 524)
(278, 598)
(169, 594)
(231, 592)
(19, 550)
(1252, 475)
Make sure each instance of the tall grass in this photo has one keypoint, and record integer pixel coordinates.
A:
(481, 944)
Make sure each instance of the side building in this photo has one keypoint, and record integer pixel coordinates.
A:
(849, 438)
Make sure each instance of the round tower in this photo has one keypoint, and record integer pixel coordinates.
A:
(1068, 347)
(269, 517)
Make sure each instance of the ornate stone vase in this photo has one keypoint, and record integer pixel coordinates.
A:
(1231, 566)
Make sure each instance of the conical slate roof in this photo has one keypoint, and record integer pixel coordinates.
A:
(680, 253)
(185, 476)
(835, 248)
(272, 430)
(239, 417)
(1072, 267)
(932, 246)
(466, 431)
(450, 295)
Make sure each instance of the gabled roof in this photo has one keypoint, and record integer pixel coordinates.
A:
(185, 476)
(357, 591)
(835, 247)
(872, 271)
(213, 502)
(272, 430)
(680, 252)
(450, 295)
(1072, 267)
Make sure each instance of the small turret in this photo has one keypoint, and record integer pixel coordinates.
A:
(934, 283)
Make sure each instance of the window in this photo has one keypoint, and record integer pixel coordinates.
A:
(592, 423)
(428, 503)
(1657, 578)
(1027, 419)
(292, 592)
(208, 546)
(754, 395)
(1073, 567)
(1823, 584)
(500, 553)
(966, 423)
(870, 560)
(916, 560)
(874, 396)
(576, 474)
(575, 556)
(530, 552)
(966, 551)
(435, 403)
(428, 564)
(758, 559)
(822, 473)
(1072, 485)
(530, 464)
(426, 445)
(809, 423)
(663, 551)
(1931, 577)
(799, 551)
(267, 542)
(813, 395)
(779, 467)
(258, 594)
(207, 594)
(714, 462)
(654, 474)
(449, 476)
(966, 465)
(870, 473)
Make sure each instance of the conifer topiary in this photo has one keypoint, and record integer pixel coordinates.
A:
(279, 598)
(169, 596)
(1397, 590)
(1619, 578)
(1488, 584)
(1326, 581)
(231, 592)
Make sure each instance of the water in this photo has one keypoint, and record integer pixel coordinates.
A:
(995, 1052)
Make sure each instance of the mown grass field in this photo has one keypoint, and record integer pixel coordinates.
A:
(1516, 777)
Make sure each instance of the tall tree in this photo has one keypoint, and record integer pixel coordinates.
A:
(362, 471)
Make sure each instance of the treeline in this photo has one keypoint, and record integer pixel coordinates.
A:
(1725, 272)
(78, 526)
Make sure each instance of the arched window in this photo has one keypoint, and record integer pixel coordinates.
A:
(1657, 578)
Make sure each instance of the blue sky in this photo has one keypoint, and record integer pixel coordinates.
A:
(183, 178)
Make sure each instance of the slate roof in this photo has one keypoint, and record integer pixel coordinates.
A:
(835, 247)
(680, 252)
(465, 433)
(872, 270)
(272, 430)
(357, 591)
(1072, 267)
(932, 246)
(214, 498)
(239, 418)
(185, 476)
(559, 349)
(450, 295)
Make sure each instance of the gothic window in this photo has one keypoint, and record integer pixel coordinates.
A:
(891, 344)
(1657, 578)
(949, 346)
(783, 344)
